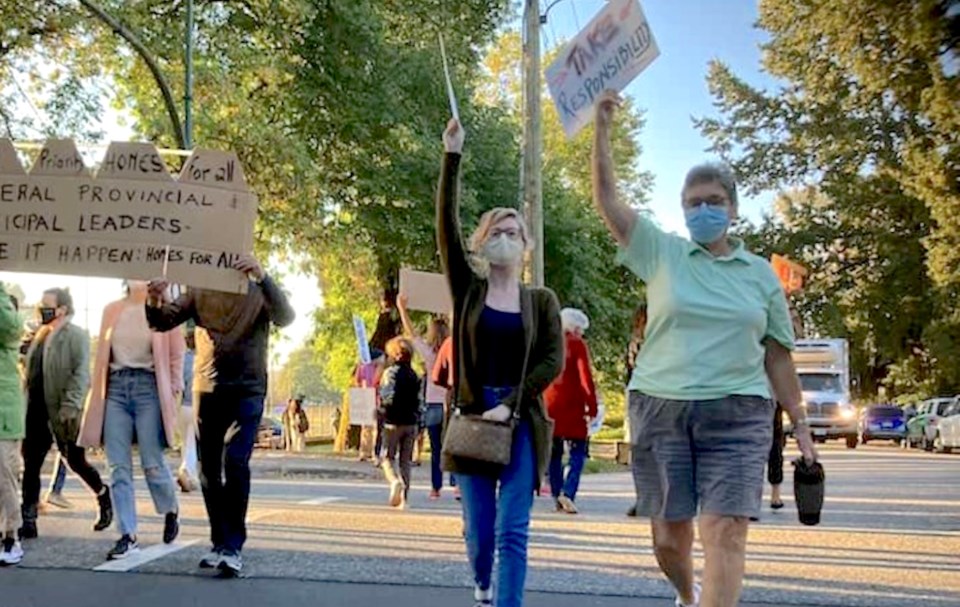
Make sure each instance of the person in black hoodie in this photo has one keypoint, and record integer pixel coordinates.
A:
(400, 403)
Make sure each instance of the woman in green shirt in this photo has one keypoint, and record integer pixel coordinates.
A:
(700, 407)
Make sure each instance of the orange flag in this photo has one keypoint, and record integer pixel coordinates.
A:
(790, 273)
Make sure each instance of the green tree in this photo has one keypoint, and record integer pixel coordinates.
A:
(866, 126)
(302, 375)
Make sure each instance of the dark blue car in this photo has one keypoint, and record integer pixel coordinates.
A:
(882, 422)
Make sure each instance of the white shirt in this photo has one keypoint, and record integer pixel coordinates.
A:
(131, 340)
(435, 394)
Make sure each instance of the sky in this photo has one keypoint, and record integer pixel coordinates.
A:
(672, 90)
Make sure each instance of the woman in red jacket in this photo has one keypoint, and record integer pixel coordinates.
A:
(571, 402)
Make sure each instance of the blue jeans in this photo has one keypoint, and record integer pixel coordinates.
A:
(133, 409)
(578, 456)
(433, 420)
(501, 522)
(228, 419)
(59, 477)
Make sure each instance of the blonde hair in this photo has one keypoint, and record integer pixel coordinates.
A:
(400, 349)
(492, 218)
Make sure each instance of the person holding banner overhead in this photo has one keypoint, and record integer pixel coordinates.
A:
(230, 385)
(700, 406)
(509, 348)
(135, 394)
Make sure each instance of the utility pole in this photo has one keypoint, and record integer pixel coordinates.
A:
(532, 138)
(188, 82)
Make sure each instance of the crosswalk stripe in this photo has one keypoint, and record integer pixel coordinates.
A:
(146, 555)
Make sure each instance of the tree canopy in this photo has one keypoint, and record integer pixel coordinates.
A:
(863, 141)
(335, 109)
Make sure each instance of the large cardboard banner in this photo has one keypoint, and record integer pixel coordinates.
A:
(57, 218)
(608, 54)
(426, 291)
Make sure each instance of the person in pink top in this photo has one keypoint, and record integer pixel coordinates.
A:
(135, 391)
(434, 395)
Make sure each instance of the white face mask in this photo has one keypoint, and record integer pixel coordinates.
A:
(503, 251)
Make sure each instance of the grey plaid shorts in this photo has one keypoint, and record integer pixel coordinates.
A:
(700, 455)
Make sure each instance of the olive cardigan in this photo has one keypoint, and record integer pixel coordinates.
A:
(541, 325)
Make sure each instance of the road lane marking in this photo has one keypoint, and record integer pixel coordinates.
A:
(146, 555)
(321, 501)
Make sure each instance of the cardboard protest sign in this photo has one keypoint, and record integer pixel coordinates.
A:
(608, 54)
(790, 273)
(130, 220)
(362, 405)
(363, 346)
(425, 291)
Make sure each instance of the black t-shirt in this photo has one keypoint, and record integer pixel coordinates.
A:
(501, 348)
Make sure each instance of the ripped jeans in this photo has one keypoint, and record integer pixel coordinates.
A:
(133, 410)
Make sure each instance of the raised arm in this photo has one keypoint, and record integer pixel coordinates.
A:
(618, 216)
(453, 255)
(278, 306)
(163, 315)
(408, 328)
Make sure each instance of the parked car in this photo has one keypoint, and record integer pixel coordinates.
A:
(948, 429)
(922, 428)
(882, 422)
(270, 434)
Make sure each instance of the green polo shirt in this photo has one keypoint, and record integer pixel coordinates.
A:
(707, 317)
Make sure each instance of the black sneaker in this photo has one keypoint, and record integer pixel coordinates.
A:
(125, 547)
(29, 530)
(171, 527)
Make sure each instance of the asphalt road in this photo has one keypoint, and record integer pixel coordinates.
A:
(890, 537)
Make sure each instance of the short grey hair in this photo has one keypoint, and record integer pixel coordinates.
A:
(572, 318)
(713, 172)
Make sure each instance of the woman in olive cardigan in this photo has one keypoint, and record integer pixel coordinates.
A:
(509, 348)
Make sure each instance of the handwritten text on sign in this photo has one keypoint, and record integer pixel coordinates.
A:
(58, 219)
(608, 54)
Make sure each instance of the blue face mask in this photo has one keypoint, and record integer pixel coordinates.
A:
(707, 223)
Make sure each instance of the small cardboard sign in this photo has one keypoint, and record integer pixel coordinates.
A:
(426, 291)
(609, 53)
(133, 220)
(363, 405)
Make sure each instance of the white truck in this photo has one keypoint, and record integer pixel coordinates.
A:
(824, 369)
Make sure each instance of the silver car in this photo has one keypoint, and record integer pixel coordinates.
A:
(948, 429)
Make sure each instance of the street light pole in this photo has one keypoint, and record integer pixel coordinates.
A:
(532, 138)
(188, 81)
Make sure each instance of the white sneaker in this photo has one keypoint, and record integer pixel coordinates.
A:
(57, 499)
(697, 591)
(482, 598)
(211, 560)
(231, 564)
(396, 493)
(12, 552)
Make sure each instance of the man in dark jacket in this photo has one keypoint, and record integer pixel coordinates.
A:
(57, 378)
(230, 384)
